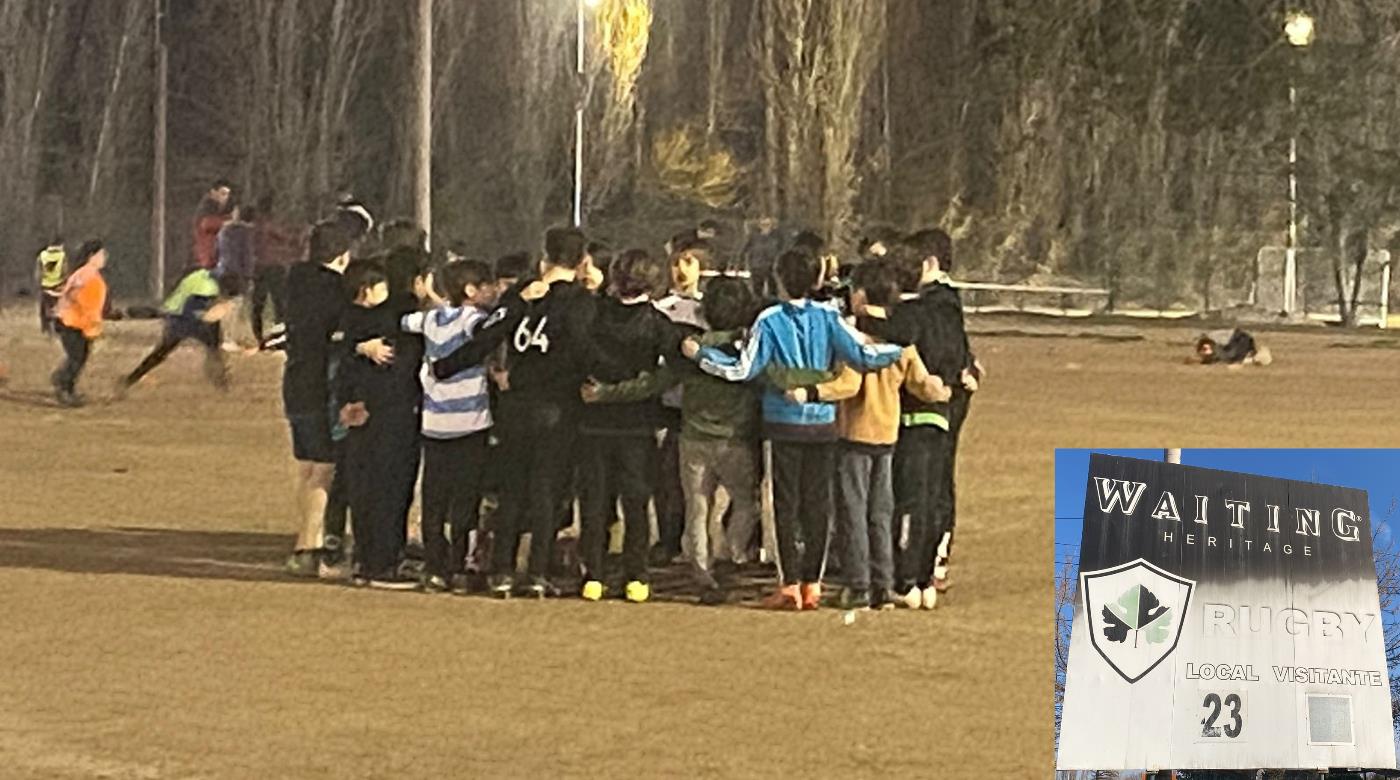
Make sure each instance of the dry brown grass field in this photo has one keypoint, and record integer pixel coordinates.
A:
(146, 630)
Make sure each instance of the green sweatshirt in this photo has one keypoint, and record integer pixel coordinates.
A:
(711, 408)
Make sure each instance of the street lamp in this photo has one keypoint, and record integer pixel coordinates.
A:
(1298, 30)
(581, 6)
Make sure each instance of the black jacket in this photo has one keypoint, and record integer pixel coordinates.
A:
(315, 301)
(636, 337)
(391, 388)
(550, 350)
(933, 324)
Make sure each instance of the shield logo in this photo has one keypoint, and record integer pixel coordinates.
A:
(1135, 612)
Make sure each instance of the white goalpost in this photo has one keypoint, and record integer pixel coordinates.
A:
(1313, 287)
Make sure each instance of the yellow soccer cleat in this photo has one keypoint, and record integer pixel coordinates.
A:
(638, 592)
(592, 591)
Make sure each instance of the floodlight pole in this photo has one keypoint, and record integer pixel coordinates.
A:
(1290, 263)
(423, 120)
(578, 118)
(157, 272)
(1298, 30)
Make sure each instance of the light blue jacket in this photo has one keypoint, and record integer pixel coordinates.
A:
(797, 344)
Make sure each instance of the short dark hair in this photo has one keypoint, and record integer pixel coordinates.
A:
(458, 248)
(513, 265)
(85, 252)
(404, 264)
(247, 212)
(361, 275)
(799, 271)
(809, 241)
(878, 280)
(729, 304)
(877, 234)
(690, 243)
(564, 246)
(458, 274)
(635, 272)
(56, 239)
(266, 204)
(932, 242)
(683, 238)
(220, 183)
(354, 220)
(330, 238)
(709, 224)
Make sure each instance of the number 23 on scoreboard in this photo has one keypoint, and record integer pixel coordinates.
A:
(1222, 716)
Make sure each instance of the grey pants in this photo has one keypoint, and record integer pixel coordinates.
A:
(706, 466)
(865, 510)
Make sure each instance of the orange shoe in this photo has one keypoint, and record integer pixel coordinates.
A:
(788, 597)
(811, 595)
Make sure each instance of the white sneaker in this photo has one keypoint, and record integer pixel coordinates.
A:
(913, 599)
(929, 598)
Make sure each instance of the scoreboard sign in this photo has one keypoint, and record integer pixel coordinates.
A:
(1223, 621)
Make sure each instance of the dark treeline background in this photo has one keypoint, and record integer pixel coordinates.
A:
(1135, 144)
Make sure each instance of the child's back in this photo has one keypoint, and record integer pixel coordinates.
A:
(459, 404)
(872, 414)
(797, 344)
(637, 336)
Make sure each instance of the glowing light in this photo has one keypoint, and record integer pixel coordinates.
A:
(1298, 28)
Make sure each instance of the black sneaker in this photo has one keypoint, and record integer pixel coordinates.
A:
(69, 399)
(392, 580)
(540, 588)
(852, 598)
(881, 599)
(660, 558)
(502, 586)
(461, 585)
(712, 596)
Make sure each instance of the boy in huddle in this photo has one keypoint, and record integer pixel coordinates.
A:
(617, 442)
(379, 404)
(456, 420)
(682, 307)
(868, 419)
(719, 423)
(797, 343)
(931, 321)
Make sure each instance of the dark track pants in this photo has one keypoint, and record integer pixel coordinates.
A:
(803, 473)
(617, 467)
(452, 478)
(922, 459)
(75, 355)
(382, 465)
(536, 437)
(172, 335)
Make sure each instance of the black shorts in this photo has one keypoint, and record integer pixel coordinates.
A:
(311, 438)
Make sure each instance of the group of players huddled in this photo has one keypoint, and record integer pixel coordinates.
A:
(620, 385)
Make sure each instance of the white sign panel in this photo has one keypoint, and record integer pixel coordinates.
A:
(1224, 621)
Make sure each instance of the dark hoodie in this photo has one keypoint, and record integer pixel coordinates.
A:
(393, 387)
(933, 324)
(636, 336)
